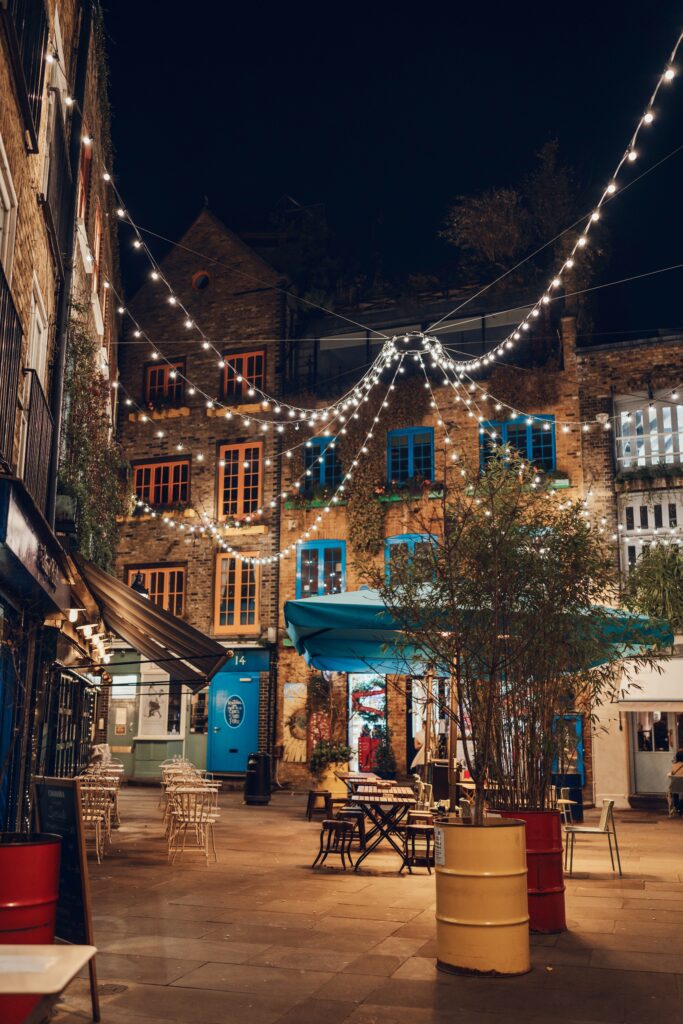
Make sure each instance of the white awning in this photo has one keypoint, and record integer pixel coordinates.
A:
(659, 691)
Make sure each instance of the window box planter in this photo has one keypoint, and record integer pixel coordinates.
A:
(168, 412)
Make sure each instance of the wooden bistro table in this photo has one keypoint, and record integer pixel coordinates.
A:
(386, 806)
(352, 780)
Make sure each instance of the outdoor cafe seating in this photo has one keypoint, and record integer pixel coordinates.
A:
(189, 799)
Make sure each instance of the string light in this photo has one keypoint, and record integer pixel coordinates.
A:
(630, 155)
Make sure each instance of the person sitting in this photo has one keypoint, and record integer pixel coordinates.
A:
(676, 785)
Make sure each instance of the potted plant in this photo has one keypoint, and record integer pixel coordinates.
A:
(505, 604)
(327, 724)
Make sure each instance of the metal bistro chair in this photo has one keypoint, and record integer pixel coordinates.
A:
(605, 827)
(564, 805)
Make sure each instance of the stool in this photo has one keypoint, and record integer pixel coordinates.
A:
(335, 837)
(411, 855)
(319, 794)
(356, 815)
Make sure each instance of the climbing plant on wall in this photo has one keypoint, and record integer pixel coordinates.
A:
(409, 403)
(91, 463)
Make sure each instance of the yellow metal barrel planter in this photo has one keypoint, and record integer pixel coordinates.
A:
(482, 912)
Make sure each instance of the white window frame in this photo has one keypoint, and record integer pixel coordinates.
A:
(642, 537)
(39, 330)
(649, 431)
(10, 203)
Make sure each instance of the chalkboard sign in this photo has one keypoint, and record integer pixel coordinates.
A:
(58, 809)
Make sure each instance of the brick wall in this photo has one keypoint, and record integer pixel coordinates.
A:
(239, 308)
(423, 515)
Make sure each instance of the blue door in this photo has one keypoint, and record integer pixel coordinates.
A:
(233, 721)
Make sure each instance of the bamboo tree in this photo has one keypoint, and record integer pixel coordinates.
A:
(509, 601)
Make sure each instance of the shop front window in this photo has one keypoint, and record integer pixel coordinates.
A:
(161, 706)
(652, 732)
(367, 720)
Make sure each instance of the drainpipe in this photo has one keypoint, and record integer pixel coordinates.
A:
(64, 303)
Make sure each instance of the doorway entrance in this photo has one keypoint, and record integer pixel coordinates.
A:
(233, 721)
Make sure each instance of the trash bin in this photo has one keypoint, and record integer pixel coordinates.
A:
(257, 781)
(572, 782)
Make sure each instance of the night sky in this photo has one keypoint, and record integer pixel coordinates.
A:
(385, 117)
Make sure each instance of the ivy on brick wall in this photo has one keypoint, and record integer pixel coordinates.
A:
(92, 467)
(409, 403)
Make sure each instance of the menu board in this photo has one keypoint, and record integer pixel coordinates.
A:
(58, 808)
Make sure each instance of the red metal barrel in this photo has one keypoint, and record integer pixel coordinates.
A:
(29, 886)
(545, 883)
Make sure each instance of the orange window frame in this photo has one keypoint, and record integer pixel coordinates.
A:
(162, 483)
(240, 478)
(237, 605)
(250, 366)
(166, 586)
(160, 384)
(84, 175)
(97, 251)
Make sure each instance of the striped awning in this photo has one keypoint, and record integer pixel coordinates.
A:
(176, 647)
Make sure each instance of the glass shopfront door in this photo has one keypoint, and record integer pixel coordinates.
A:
(656, 736)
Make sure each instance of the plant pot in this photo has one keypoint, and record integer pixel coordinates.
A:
(329, 781)
(545, 882)
(29, 887)
(482, 915)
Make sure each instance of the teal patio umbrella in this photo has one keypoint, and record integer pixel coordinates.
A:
(355, 632)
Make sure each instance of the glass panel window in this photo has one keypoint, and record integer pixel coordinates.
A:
(320, 568)
(657, 510)
(164, 383)
(630, 521)
(321, 464)
(163, 483)
(652, 732)
(239, 479)
(244, 373)
(8, 214)
(410, 454)
(166, 585)
(533, 440)
(236, 602)
(649, 431)
(403, 547)
(643, 517)
(673, 518)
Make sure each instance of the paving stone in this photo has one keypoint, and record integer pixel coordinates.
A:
(260, 939)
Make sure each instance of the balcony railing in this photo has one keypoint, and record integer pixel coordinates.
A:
(56, 201)
(27, 27)
(37, 443)
(10, 358)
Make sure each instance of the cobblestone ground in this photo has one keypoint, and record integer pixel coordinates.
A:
(260, 938)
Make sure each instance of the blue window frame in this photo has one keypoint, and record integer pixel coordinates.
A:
(410, 454)
(403, 545)
(320, 567)
(535, 440)
(321, 464)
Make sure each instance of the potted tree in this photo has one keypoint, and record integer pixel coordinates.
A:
(327, 728)
(506, 604)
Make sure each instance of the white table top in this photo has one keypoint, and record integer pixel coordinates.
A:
(40, 970)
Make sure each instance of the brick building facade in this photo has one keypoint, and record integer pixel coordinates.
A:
(549, 391)
(189, 420)
(53, 139)
(634, 474)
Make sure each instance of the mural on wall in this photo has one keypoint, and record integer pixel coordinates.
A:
(295, 718)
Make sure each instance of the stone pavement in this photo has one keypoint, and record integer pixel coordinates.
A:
(259, 938)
